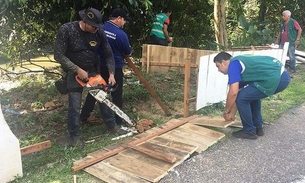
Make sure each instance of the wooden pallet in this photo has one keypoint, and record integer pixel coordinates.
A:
(134, 164)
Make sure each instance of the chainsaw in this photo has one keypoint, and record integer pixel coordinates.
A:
(100, 90)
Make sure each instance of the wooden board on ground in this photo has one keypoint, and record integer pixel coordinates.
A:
(211, 121)
(174, 144)
(212, 134)
(35, 147)
(109, 173)
(237, 124)
(182, 139)
(150, 160)
(175, 139)
(179, 155)
(137, 167)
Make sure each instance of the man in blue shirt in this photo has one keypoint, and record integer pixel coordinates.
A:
(251, 78)
(121, 48)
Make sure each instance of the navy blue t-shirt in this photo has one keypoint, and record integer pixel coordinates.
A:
(119, 43)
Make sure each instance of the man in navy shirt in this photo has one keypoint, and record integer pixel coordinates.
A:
(121, 48)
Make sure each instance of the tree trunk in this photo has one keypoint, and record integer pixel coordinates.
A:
(220, 23)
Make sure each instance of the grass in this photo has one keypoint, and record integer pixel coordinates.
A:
(53, 165)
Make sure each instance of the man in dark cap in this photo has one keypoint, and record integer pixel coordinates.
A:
(75, 49)
(121, 48)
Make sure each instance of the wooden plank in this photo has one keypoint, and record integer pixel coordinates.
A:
(180, 155)
(179, 138)
(140, 168)
(172, 64)
(147, 85)
(194, 136)
(106, 155)
(211, 121)
(155, 154)
(111, 174)
(174, 144)
(150, 160)
(212, 134)
(35, 147)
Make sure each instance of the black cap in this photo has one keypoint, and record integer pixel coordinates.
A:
(91, 16)
(118, 12)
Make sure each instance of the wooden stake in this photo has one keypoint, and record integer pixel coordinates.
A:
(187, 76)
(147, 85)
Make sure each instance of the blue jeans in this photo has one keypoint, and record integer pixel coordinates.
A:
(248, 103)
(75, 99)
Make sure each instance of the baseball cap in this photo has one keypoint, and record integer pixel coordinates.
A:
(91, 16)
(119, 12)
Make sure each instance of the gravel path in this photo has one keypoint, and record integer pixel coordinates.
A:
(279, 156)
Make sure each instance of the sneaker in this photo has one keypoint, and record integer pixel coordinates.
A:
(76, 141)
(260, 131)
(117, 130)
(244, 135)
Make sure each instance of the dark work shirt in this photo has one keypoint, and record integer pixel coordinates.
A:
(75, 48)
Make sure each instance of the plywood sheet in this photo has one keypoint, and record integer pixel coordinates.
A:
(211, 121)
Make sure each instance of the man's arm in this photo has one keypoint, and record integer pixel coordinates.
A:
(108, 55)
(60, 48)
(299, 29)
(165, 31)
(230, 108)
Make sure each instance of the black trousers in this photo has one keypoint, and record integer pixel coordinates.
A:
(117, 95)
(158, 41)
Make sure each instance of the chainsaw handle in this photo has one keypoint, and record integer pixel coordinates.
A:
(82, 82)
(92, 81)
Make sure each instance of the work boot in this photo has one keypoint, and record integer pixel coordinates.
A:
(76, 141)
(244, 134)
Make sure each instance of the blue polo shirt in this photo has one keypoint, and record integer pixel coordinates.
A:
(119, 43)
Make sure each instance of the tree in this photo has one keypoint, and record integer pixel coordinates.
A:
(220, 23)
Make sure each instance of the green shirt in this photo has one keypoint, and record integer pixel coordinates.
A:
(263, 71)
(157, 26)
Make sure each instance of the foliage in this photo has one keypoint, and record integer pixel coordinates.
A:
(255, 22)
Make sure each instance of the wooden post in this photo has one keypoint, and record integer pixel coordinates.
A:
(187, 76)
(147, 85)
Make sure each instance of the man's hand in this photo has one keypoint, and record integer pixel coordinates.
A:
(111, 79)
(229, 116)
(81, 74)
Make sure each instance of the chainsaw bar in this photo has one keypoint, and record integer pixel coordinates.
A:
(101, 96)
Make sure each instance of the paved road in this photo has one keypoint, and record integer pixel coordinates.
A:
(279, 156)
